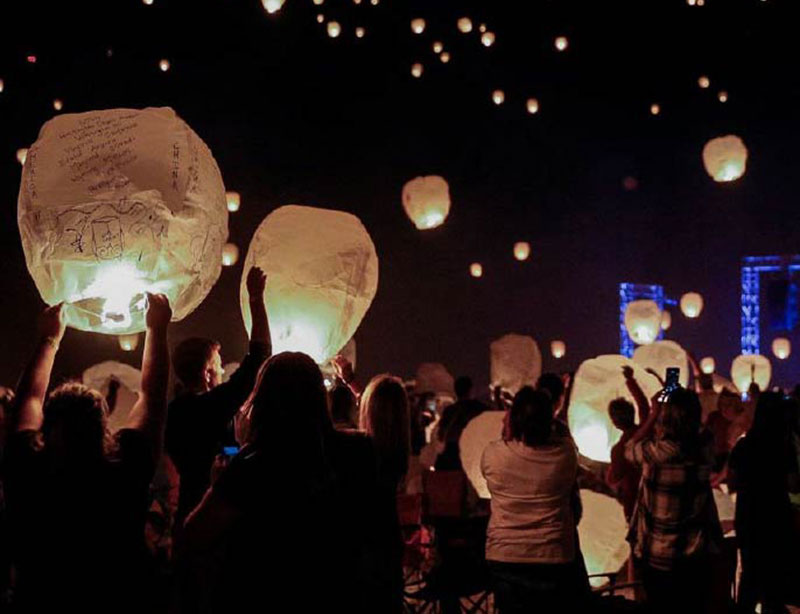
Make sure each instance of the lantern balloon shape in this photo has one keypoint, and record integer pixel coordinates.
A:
(781, 347)
(230, 254)
(476, 269)
(663, 354)
(597, 382)
(666, 320)
(487, 39)
(427, 201)
(522, 250)
(691, 304)
(438, 46)
(234, 201)
(128, 380)
(558, 349)
(602, 532)
(322, 274)
(128, 343)
(515, 362)
(708, 365)
(643, 321)
(433, 377)
(532, 105)
(479, 433)
(418, 25)
(273, 6)
(751, 368)
(498, 97)
(561, 43)
(22, 155)
(725, 158)
(445, 57)
(117, 203)
(416, 70)
(465, 25)
(334, 29)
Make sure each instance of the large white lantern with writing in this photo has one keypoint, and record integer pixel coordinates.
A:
(643, 321)
(322, 274)
(751, 368)
(117, 203)
(660, 355)
(426, 201)
(725, 158)
(516, 361)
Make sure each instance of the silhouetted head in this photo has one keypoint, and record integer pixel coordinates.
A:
(385, 417)
(531, 417)
(74, 427)
(706, 381)
(198, 364)
(344, 406)
(463, 387)
(552, 384)
(772, 417)
(622, 413)
(679, 420)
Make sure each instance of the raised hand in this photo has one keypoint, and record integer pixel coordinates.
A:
(343, 368)
(51, 323)
(159, 313)
(256, 283)
(627, 372)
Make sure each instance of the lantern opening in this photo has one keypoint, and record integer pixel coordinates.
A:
(115, 295)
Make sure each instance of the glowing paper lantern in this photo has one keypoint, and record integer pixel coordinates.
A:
(360, 32)
(532, 105)
(322, 274)
(749, 368)
(433, 377)
(643, 321)
(334, 29)
(725, 158)
(561, 43)
(418, 25)
(482, 28)
(660, 355)
(522, 249)
(487, 39)
(22, 155)
(58, 104)
(272, 6)
(515, 362)
(319, 2)
(99, 377)
(2, 86)
(498, 97)
(781, 347)
(479, 433)
(666, 320)
(230, 254)
(723, 96)
(164, 65)
(597, 382)
(320, 18)
(426, 201)
(707, 365)
(416, 70)
(128, 343)
(234, 201)
(602, 533)
(476, 269)
(437, 47)
(704, 82)
(691, 304)
(445, 57)
(117, 203)
(148, 2)
(655, 109)
(558, 349)
(374, 2)
(465, 25)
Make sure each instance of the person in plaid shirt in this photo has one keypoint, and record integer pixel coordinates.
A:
(675, 528)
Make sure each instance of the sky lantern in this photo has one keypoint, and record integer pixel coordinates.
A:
(487, 39)
(438, 46)
(515, 362)
(230, 254)
(561, 43)
(498, 97)
(522, 249)
(666, 320)
(157, 224)
(662, 354)
(708, 365)
(445, 57)
(128, 343)
(532, 105)
(319, 2)
(465, 25)
(558, 348)
(477, 434)
(725, 158)
(749, 368)
(2, 86)
(22, 155)
(704, 82)
(691, 304)
(655, 108)
(164, 65)
(360, 32)
(234, 201)
(322, 274)
(426, 201)
(643, 321)
(418, 25)
(597, 382)
(334, 29)
(416, 70)
(58, 104)
(476, 269)
(374, 2)
(781, 348)
(273, 6)
(723, 96)
(320, 18)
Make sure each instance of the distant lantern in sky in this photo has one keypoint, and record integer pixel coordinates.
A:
(751, 368)
(532, 105)
(319, 2)
(704, 82)
(465, 25)
(476, 270)
(781, 347)
(558, 348)
(334, 29)
(31, 59)
(655, 108)
(643, 321)
(58, 104)
(725, 158)
(230, 254)
(147, 2)
(2, 85)
(630, 184)
(273, 6)
(561, 43)
(445, 57)
(708, 365)
(723, 96)
(666, 320)
(426, 201)
(498, 97)
(482, 28)
(418, 25)
(164, 65)
(128, 343)
(522, 249)
(360, 32)
(374, 2)
(691, 304)
(487, 39)
(416, 70)
(437, 47)
(320, 18)
(22, 155)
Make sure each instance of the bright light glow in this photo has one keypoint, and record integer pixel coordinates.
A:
(532, 105)
(128, 343)
(230, 254)
(749, 368)
(334, 29)
(498, 97)
(723, 96)
(356, 1)
(58, 104)
(2, 85)
(704, 82)
(22, 155)
(273, 6)
(465, 25)
(360, 32)
(234, 201)
(522, 249)
(691, 304)
(374, 2)
(643, 321)
(476, 270)
(445, 57)
(725, 158)
(592, 441)
(482, 28)
(121, 288)
(437, 47)
(319, 2)
(416, 70)
(320, 18)
(558, 348)
(418, 25)
(708, 365)
(426, 201)
(561, 43)
(148, 2)
(164, 65)
(655, 108)
(487, 39)
(781, 347)
(666, 320)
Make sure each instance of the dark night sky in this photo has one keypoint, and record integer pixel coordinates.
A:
(293, 116)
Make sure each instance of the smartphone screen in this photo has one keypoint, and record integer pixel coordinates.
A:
(670, 383)
(230, 450)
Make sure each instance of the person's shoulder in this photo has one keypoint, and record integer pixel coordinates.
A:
(26, 443)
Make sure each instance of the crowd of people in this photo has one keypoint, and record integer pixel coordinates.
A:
(270, 490)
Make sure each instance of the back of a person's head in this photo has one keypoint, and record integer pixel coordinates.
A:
(771, 418)
(344, 406)
(190, 359)
(680, 416)
(622, 413)
(531, 417)
(74, 425)
(463, 387)
(706, 381)
(384, 416)
(552, 384)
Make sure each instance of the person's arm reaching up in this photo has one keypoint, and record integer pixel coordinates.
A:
(149, 414)
(32, 387)
(641, 400)
(256, 284)
(345, 372)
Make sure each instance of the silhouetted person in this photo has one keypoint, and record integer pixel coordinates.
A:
(454, 420)
(199, 418)
(344, 407)
(77, 496)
